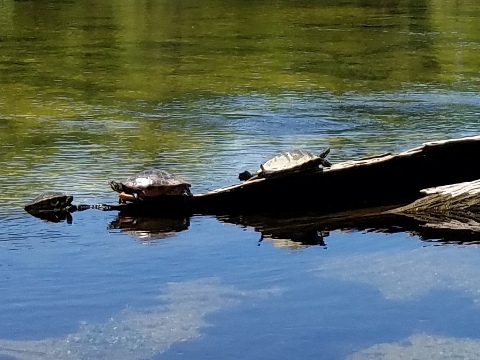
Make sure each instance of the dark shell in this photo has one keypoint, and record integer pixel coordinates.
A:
(51, 200)
(153, 183)
(148, 178)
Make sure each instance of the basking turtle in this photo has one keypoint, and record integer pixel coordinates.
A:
(50, 201)
(151, 184)
(289, 162)
(57, 206)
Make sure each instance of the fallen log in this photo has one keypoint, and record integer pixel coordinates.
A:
(383, 180)
(461, 197)
(451, 207)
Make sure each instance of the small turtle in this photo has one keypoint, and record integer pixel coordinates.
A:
(289, 162)
(151, 184)
(50, 201)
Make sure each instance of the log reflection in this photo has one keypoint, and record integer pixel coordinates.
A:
(307, 229)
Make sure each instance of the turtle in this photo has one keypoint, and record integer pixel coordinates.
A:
(50, 201)
(151, 184)
(289, 162)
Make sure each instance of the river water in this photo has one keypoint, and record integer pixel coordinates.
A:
(96, 91)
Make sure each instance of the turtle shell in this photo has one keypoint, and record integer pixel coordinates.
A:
(49, 201)
(292, 161)
(151, 184)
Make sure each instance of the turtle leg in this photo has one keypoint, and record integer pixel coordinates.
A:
(186, 193)
(137, 199)
(326, 163)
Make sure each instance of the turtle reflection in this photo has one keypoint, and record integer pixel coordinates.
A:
(54, 216)
(283, 231)
(295, 239)
(148, 228)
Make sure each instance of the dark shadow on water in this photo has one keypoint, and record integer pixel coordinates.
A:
(299, 230)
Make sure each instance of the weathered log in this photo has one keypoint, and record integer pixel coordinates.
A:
(461, 197)
(452, 208)
(382, 180)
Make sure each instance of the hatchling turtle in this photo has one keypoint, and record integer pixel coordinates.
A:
(50, 201)
(151, 184)
(289, 162)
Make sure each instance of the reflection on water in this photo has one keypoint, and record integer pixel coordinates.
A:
(136, 334)
(299, 229)
(55, 216)
(305, 229)
(96, 91)
(148, 228)
(412, 276)
(409, 275)
(422, 346)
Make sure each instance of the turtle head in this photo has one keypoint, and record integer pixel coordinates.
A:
(323, 155)
(118, 187)
(244, 176)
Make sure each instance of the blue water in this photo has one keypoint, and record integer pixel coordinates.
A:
(97, 92)
(81, 291)
(108, 287)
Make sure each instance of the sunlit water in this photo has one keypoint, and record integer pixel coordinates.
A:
(94, 92)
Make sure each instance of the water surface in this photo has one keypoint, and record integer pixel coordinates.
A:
(98, 91)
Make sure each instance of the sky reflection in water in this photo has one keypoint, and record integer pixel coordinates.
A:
(97, 92)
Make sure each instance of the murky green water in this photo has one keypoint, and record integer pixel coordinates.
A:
(98, 90)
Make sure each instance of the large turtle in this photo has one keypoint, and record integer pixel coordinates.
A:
(50, 201)
(289, 162)
(151, 184)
